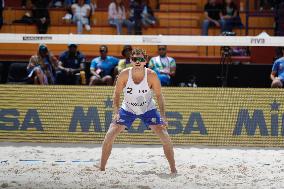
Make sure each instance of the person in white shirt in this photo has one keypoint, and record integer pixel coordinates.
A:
(81, 13)
(139, 85)
(163, 65)
(117, 17)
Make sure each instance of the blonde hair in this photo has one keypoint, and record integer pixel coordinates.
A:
(139, 51)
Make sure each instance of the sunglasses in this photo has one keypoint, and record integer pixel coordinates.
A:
(162, 49)
(102, 51)
(138, 59)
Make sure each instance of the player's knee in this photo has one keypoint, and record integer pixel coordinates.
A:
(166, 141)
(115, 129)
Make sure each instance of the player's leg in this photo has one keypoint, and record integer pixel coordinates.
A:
(162, 133)
(124, 119)
(112, 133)
(153, 120)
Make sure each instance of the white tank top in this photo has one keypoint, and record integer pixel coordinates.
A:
(138, 98)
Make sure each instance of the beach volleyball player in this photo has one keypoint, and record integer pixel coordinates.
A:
(138, 84)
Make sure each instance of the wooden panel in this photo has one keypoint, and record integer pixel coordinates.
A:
(178, 6)
(261, 21)
(179, 23)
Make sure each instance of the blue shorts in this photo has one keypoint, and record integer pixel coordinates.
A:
(152, 117)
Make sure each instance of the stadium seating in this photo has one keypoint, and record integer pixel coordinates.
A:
(176, 17)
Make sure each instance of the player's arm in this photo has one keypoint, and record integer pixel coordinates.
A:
(120, 83)
(157, 89)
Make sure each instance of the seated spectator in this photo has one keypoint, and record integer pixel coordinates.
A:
(148, 17)
(68, 3)
(164, 66)
(41, 67)
(125, 63)
(142, 15)
(102, 68)
(41, 15)
(277, 74)
(279, 19)
(117, 17)
(2, 5)
(81, 14)
(230, 16)
(71, 64)
(136, 7)
(212, 11)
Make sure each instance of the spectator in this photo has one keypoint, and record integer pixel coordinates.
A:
(164, 66)
(81, 14)
(136, 7)
(117, 17)
(230, 15)
(148, 17)
(41, 67)
(142, 15)
(2, 5)
(71, 63)
(277, 74)
(279, 19)
(125, 63)
(212, 11)
(41, 15)
(102, 68)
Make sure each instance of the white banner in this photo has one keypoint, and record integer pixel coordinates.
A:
(261, 40)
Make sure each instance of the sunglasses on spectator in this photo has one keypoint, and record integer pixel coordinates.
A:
(162, 49)
(138, 59)
(102, 51)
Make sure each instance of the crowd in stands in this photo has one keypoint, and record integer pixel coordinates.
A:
(69, 68)
(138, 14)
(44, 68)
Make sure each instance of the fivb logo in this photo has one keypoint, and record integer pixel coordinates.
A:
(257, 41)
(258, 120)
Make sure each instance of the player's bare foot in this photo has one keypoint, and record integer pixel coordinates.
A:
(99, 167)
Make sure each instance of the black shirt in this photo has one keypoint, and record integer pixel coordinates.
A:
(213, 10)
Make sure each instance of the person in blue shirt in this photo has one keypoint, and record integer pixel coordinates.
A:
(277, 74)
(102, 68)
(72, 63)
